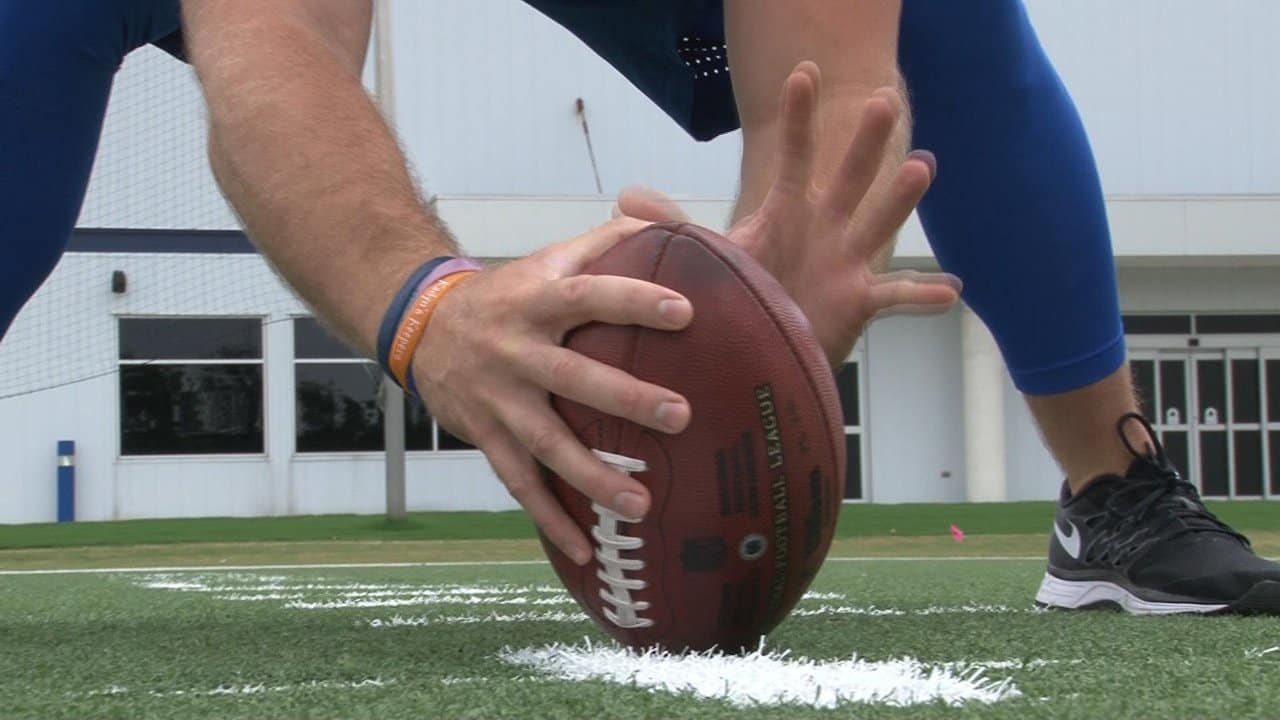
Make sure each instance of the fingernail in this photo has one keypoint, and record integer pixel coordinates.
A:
(630, 505)
(672, 416)
(927, 158)
(581, 555)
(675, 312)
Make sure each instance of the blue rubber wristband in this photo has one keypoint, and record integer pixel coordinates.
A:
(395, 312)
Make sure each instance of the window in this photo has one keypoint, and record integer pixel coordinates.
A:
(337, 404)
(849, 384)
(1207, 324)
(190, 386)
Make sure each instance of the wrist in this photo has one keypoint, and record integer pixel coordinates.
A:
(411, 309)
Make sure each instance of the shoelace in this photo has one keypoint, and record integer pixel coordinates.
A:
(1162, 488)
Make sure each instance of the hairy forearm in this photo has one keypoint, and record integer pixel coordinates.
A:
(309, 165)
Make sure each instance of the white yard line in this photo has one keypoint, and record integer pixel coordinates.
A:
(459, 563)
(469, 563)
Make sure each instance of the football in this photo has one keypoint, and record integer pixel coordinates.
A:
(745, 500)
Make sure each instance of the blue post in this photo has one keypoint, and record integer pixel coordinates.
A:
(66, 480)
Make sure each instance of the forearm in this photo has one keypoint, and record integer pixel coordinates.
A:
(309, 165)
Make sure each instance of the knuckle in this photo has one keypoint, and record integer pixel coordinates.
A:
(631, 399)
(520, 488)
(575, 290)
(543, 442)
(562, 368)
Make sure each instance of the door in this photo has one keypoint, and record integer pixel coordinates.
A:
(1209, 408)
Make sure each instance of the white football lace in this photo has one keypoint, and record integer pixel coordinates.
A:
(625, 612)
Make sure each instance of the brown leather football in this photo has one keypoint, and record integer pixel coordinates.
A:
(745, 500)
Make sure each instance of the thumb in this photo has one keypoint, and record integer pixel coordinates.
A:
(648, 204)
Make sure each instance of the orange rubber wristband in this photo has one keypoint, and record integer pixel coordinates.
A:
(409, 334)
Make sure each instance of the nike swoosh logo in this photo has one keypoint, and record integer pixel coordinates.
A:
(1069, 542)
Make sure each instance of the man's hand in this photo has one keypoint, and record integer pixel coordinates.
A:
(822, 243)
(492, 353)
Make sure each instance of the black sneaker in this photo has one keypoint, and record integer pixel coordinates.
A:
(1146, 543)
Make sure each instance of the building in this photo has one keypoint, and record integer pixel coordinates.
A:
(194, 383)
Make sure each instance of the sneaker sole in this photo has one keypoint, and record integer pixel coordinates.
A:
(1262, 599)
(1096, 595)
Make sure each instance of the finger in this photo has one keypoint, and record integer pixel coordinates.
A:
(645, 203)
(862, 161)
(916, 295)
(570, 256)
(608, 389)
(796, 144)
(543, 434)
(892, 209)
(515, 467)
(572, 301)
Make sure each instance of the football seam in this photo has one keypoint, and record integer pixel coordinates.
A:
(755, 297)
(755, 293)
(637, 437)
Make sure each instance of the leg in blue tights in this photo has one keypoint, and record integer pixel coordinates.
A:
(1017, 213)
(57, 60)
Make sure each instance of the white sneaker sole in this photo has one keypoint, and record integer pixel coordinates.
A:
(1079, 594)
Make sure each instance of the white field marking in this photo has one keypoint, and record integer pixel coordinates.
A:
(874, 611)
(335, 596)
(249, 688)
(420, 620)
(1033, 664)
(302, 595)
(1254, 653)
(304, 566)
(425, 599)
(767, 677)
(481, 680)
(459, 563)
(309, 595)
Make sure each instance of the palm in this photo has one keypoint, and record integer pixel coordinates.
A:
(823, 243)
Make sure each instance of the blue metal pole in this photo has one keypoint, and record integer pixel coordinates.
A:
(66, 480)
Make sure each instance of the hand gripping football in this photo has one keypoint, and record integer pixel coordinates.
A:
(745, 500)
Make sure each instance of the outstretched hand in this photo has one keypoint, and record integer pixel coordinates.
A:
(492, 353)
(823, 243)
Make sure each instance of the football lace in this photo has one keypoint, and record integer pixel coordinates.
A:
(611, 540)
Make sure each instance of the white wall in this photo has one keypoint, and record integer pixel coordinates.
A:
(70, 326)
(1179, 96)
(913, 405)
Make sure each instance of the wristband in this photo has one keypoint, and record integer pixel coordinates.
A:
(395, 311)
(448, 267)
(409, 334)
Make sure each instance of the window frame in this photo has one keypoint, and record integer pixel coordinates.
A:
(261, 360)
(295, 360)
(863, 429)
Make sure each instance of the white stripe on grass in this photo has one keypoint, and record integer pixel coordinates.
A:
(458, 563)
(767, 677)
(333, 596)
(556, 616)
(248, 688)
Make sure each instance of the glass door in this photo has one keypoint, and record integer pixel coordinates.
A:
(1209, 408)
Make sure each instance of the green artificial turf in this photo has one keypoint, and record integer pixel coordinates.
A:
(104, 646)
(917, 519)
